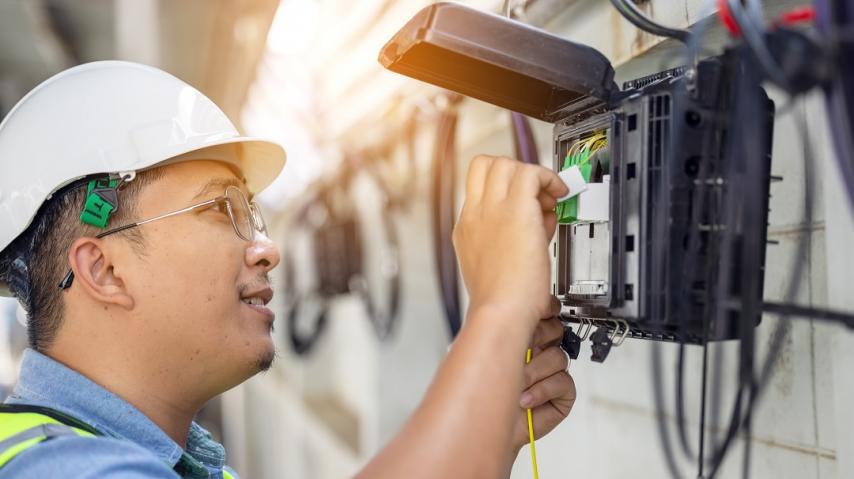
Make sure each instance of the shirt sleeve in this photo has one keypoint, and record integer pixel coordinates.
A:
(85, 458)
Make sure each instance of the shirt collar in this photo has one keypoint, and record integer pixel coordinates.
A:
(48, 383)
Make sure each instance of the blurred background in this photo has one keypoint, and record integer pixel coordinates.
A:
(363, 321)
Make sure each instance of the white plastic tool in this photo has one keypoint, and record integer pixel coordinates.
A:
(574, 180)
(594, 204)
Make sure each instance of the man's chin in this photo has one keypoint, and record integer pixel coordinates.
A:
(265, 361)
(258, 357)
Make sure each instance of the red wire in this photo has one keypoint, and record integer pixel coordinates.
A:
(727, 19)
(797, 15)
(791, 17)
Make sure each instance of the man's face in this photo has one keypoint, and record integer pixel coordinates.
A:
(191, 284)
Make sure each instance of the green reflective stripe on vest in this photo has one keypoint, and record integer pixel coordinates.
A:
(13, 451)
(20, 431)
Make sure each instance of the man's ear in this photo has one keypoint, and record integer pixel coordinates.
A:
(94, 273)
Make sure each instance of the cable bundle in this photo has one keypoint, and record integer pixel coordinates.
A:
(580, 155)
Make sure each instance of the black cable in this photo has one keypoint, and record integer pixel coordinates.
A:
(396, 200)
(444, 211)
(680, 402)
(803, 251)
(788, 309)
(834, 16)
(722, 290)
(693, 48)
(637, 18)
(753, 32)
(754, 211)
(302, 343)
(398, 194)
(747, 351)
(779, 335)
(523, 139)
(703, 380)
(748, 383)
(739, 202)
(716, 370)
(411, 137)
(694, 246)
(710, 143)
(756, 386)
(841, 127)
(732, 428)
(674, 145)
(385, 321)
(658, 224)
(748, 427)
(659, 401)
(711, 146)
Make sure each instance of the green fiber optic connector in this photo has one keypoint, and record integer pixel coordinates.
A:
(567, 211)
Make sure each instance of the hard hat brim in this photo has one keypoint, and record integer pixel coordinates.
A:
(259, 160)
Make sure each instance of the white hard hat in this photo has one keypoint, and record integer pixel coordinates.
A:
(112, 117)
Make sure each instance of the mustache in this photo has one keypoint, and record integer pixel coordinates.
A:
(261, 281)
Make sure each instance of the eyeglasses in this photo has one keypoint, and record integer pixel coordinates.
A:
(244, 214)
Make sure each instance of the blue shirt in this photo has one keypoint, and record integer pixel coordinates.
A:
(132, 446)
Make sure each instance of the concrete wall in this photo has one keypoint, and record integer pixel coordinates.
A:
(324, 415)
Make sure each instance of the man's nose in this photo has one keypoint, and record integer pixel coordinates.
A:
(262, 251)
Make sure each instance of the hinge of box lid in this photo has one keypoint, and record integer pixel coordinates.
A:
(579, 111)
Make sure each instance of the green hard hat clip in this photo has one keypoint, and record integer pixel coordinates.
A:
(102, 200)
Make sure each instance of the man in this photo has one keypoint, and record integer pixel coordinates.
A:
(129, 234)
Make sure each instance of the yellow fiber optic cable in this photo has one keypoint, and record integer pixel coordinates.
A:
(531, 428)
(592, 141)
(572, 148)
(575, 148)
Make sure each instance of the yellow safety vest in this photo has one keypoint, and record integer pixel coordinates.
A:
(24, 426)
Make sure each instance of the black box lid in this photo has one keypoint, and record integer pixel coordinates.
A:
(500, 61)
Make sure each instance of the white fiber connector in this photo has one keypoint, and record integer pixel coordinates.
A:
(594, 204)
(574, 180)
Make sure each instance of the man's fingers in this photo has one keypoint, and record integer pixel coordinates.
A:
(544, 365)
(547, 201)
(554, 306)
(493, 177)
(548, 332)
(548, 415)
(499, 177)
(532, 180)
(558, 387)
(476, 177)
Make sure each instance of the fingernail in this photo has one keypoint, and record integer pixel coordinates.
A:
(527, 399)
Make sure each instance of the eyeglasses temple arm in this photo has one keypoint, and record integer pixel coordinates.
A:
(69, 277)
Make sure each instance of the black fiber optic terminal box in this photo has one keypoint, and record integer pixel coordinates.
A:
(640, 251)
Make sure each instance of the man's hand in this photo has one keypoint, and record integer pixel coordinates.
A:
(470, 422)
(503, 234)
(549, 389)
